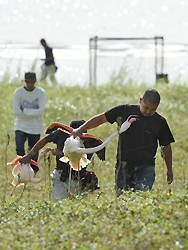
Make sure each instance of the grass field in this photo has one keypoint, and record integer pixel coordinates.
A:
(99, 220)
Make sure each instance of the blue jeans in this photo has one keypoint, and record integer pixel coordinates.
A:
(20, 139)
(136, 177)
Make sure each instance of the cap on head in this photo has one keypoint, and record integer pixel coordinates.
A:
(77, 123)
(152, 96)
(30, 77)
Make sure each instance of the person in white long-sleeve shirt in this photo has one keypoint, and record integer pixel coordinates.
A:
(29, 104)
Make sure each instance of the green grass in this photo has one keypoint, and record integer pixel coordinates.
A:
(99, 220)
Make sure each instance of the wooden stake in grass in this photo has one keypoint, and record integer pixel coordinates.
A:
(6, 172)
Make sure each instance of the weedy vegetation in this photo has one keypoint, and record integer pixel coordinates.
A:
(98, 220)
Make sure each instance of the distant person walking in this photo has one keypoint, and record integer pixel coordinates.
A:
(49, 67)
(28, 105)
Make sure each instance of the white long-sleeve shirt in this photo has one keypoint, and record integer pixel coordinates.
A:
(28, 107)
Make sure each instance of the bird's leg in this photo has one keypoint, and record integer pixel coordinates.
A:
(78, 179)
(23, 190)
(69, 184)
(13, 191)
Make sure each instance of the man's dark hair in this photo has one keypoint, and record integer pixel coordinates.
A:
(77, 123)
(152, 96)
(43, 42)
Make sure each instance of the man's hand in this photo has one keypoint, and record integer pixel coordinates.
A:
(57, 152)
(77, 132)
(169, 176)
(26, 159)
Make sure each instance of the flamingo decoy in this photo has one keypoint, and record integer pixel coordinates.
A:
(24, 173)
(73, 147)
(76, 161)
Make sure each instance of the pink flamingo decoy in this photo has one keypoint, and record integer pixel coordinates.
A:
(24, 173)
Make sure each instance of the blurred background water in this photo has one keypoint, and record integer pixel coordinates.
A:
(67, 26)
(136, 61)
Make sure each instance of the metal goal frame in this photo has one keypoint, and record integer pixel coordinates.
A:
(158, 55)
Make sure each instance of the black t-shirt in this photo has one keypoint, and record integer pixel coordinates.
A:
(49, 53)
(139, 143)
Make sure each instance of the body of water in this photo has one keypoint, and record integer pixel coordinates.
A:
(67, 26)
(135, 58)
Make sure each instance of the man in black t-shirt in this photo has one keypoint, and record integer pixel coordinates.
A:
(135, 165)
(49, 67)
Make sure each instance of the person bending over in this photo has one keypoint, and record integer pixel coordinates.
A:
(60, 175)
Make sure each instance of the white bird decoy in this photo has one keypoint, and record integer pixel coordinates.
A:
(75, 153)
(24, 173)
(76, 161)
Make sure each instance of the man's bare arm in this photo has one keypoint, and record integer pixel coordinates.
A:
(40, 144)
(167, 150)
(94, 122)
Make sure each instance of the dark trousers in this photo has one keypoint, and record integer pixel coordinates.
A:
(20, 139)
(136, 177)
